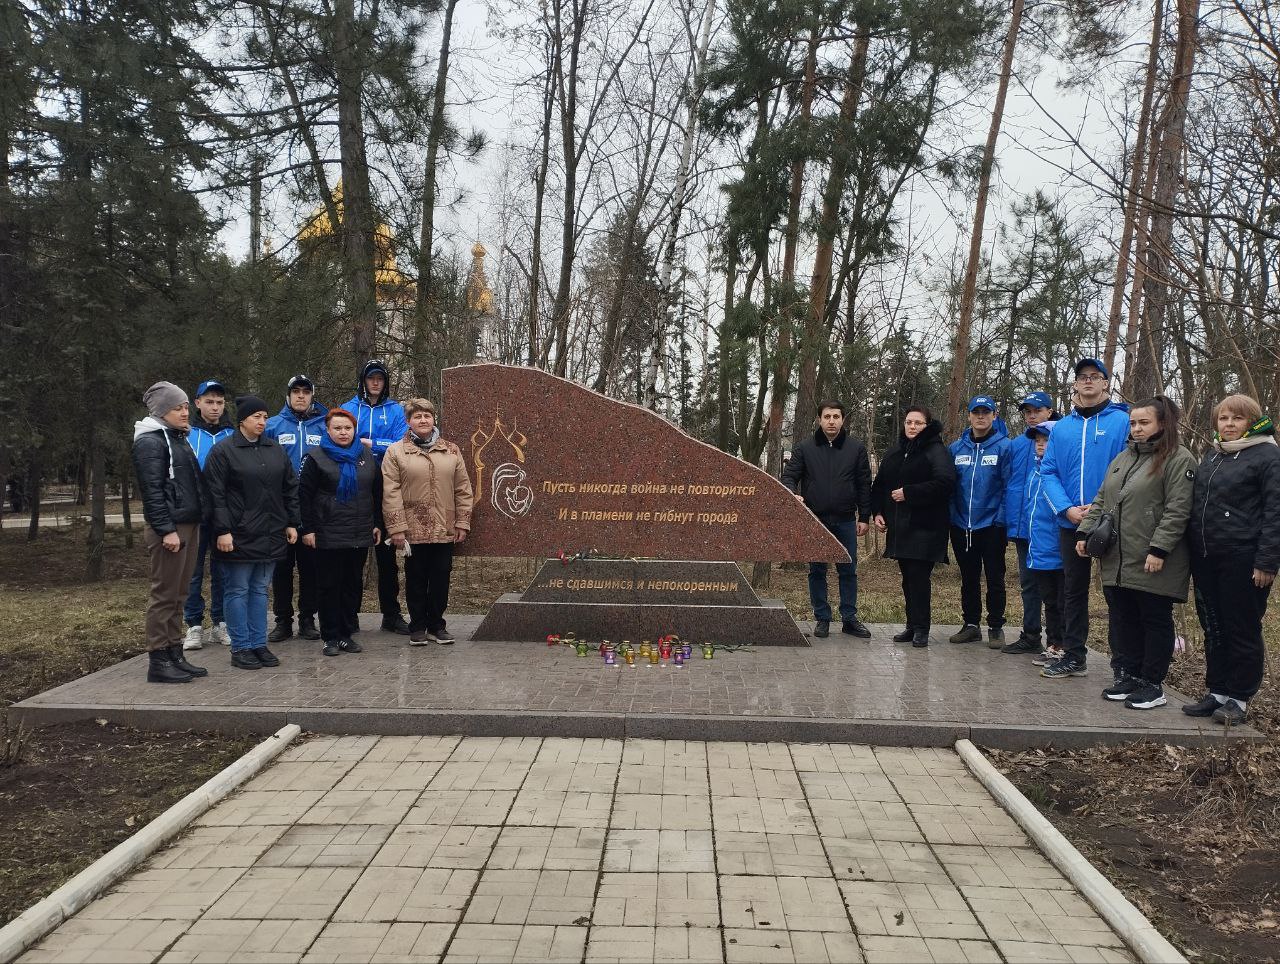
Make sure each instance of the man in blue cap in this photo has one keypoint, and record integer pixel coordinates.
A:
(209, 425)
(1080, 449)
(1036, 408)
(981, 457)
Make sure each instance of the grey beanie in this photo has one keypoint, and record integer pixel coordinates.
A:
(162, 397)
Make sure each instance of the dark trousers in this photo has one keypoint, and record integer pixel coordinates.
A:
(847, 573)
(389, 580)
(303, 559)
(978, 550)
(1049, 588)
(917, 592)
(340, 580)
(1075, 597)
(1230, 608)
(1029, 587)
(1140, 630)
(426, 584)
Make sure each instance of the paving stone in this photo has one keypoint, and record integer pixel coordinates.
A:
(375, 943)
(675, 851)
(986, 825)
(244, 940)
(428, 845)
(533, 897)
(549, 848)
(801, 947)
(81, 936)
(660, 811)
(656, 900)
(892, 861)
(426, 896)
(483, 749)
(167, 894)
(215, 846)
(783, 903)
(571, 750)
(412, 749)
(326, 845)
(829, 785)
(665, 753)
(329, 748)
(643, 945)
(910, 910)
(285, 893)
(954, 791)
(770, 854)
(260, 808)
(496, 774)
(560, 808)
(757, 815)
(300, 775)
(1039, 916)
(755, 782)
(762, 756)
(361, 807)
(911, 950)
(1000, 867)
(390, 775)
(1068, 954)
(677, 779)
(592, 777)
(492, 943)
(865, 819)
(483, 808)
(835, 758)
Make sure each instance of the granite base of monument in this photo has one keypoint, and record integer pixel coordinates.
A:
(624, 599)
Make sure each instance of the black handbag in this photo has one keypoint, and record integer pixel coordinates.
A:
(1102, 538)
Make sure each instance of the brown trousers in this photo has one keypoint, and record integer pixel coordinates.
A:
(170, 580)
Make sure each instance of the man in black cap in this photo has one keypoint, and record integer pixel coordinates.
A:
(298, 426)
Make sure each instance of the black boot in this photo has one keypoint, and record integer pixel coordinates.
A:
(907, 634)
(921, 637)
(283, 630)
(307, 627)
(395, 624)
(179, 660)
(162, 670)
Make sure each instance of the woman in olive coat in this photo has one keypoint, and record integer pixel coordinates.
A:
(911, 499)
(1147, 491)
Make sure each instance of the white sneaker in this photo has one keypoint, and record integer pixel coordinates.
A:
(194, 638)
(219, 634)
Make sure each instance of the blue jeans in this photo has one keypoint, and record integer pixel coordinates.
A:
(847, 572)
(194, 611)
(1027, 582)
(246, 603)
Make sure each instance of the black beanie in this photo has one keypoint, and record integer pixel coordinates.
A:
(247, 405)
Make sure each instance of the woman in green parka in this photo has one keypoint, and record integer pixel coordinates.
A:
(1148, 491)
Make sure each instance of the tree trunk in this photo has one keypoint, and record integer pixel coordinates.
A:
(968, 294)
(725, 342)
(97, 505)
(567, 86)
(434, 137)
(126, 510)
(357, 205)
(537, 352)
(1135, 186)
(33, 496)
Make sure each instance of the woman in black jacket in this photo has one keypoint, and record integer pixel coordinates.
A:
(1235, 553)
(174, 503)
(255, 516)
(340, 492)
(911, 500)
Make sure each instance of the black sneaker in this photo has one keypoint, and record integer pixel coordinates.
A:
(1230, 713)
(920, 637)
(331, 647)
(1020, 646)
(307, 628)
(395, 624)
(854, 627)
(1063, 668)
(281, 632)
(245, 659)
(822, 628)
(441, 636)
(266, 657)
(1208, 703)
(995, 638)
(968, 634)
(1123, 687)
(349, 645)
(1146, 697)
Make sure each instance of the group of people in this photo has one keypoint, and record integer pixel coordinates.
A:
(309, 490)
(1106, 481)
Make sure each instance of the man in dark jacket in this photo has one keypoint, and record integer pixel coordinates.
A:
(831, 474)
(173, 504)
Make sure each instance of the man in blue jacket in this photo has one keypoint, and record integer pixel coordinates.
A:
(209, 425)
(1036, 408)
(981, 457)
(380, 423)
(1075, 463)
(299, 426)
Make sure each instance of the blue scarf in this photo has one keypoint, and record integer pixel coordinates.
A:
(346, 459)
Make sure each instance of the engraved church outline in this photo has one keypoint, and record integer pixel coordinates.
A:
(508, 492)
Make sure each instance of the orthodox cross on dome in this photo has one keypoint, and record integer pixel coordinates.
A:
(478, 297)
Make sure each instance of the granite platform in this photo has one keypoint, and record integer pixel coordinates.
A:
(840, 689)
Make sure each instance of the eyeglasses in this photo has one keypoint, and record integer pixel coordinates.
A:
(1091, 378)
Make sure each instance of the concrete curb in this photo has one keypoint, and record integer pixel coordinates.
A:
(1127, 921)
(39, 919)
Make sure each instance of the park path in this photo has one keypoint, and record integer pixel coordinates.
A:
(547, 849)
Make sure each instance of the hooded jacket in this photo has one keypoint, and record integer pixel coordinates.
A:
(204, 436)
(297, 433)
(1080, 450)
(982, 478)
(1039, 521)
(378, 419)
(340, 525)
(835, 476)
(917, 528)
(255, 497)
(1237, 506)
(1022, 462)
(169, 482)
(1151, 514)
(426, 492)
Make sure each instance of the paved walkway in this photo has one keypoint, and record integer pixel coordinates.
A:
(841, 689)
(529, 849)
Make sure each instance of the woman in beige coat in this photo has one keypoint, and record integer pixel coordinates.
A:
(426, 501)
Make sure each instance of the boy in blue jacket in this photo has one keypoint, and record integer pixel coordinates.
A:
(1035, 409)
(1043, 553)
(209, 425)
(298, 426)
(981, 457)
(1080, 449)
(380, 423)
